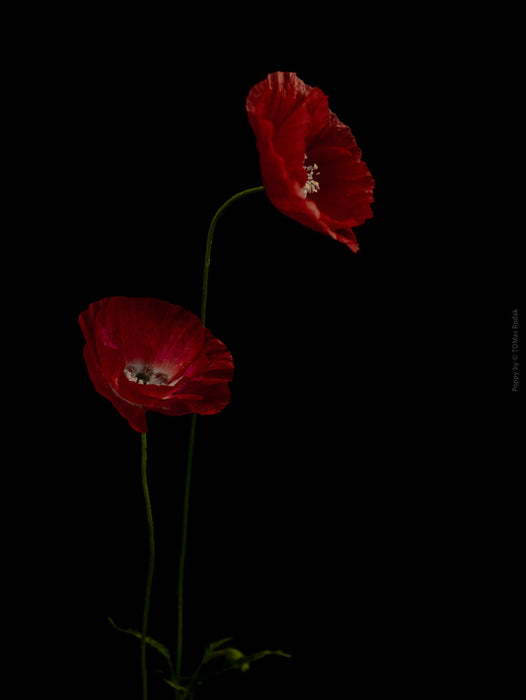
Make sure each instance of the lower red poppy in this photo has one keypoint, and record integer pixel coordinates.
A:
(145, 354)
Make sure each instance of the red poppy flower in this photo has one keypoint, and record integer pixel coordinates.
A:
(149, 355)
(310, 163)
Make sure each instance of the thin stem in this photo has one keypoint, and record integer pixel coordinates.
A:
(209, 239)
(183, 549)
(150, 567)
(208, 253)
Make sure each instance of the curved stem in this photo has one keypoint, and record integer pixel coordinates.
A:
(208, 253)
(209, 240)
(150, 567)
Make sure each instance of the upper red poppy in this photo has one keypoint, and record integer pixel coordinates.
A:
(310, 163)
(148, 355)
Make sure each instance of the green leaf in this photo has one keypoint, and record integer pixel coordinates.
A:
(238, 660)
(215, 645)
(232, 659)
(149, 640)
(176, 686)
(261, 654)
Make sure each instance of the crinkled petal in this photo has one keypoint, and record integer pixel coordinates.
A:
(134, 414)
(285, 114)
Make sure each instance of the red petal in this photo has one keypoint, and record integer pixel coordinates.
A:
(134, 414)
(285, 114)
(277, 97)
(198, 396)
(346, 186)
(166, 335)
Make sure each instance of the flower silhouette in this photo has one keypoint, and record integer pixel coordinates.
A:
(310, 163)
(145, 354)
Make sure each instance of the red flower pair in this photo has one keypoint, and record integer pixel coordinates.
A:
(146, 354)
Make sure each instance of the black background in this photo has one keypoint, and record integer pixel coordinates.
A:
(353, 505)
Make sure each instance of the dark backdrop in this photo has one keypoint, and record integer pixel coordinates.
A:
(340, 507)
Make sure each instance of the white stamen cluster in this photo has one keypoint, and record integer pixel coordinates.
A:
(144, 374)
(311, 186)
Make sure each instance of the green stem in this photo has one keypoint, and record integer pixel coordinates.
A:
(209, 239)
(182, 559)
(150, 567)
(183, 550)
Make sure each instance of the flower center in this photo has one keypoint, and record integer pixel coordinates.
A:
(311, 186)
(144, 374)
